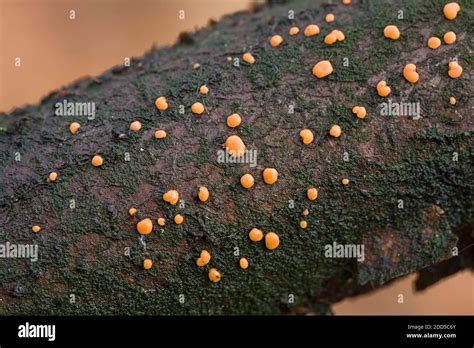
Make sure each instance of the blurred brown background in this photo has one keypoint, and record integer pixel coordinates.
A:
(55, 50)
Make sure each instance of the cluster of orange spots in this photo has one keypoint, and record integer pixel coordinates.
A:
(178, 219)
(333, 36)
(197, 108)
(322, 69)
(359, 111)
(247, 57)
(306, 136)
(203, 90)
(145, 226)
(312, 193)
(161, 221)
(276, 40)
(345, 181)
(52, 176)
(36, 229)
(303, 224)
(454, 70)
(132, 211)
(160, 134)
(451, 10)
(147, 264)
(434, 43)
(161, 103)
(234, 120)
(97, 161)
(247, 181)
(391, 32)
(293, 31)
(329, 18)
(255, 235)
(410, 74)
(172, 197)
(270, 176)
(272, 241)
(74, 127)
(335, 131)
(203, 194)
(203, 258)
(382, 89)
(452, 101)
(135, 126)
(214, 275)
(311, 30)
(243, 262)
(235, 146)
(449, 38)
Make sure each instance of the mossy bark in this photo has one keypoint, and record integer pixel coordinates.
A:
(409, 201)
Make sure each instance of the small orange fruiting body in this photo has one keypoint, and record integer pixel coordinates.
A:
(410, 74)
(161, 221)
(305, 212)
(74, 127)
(451, 10)
(132, 211)
(97, 161)
(135, 126)
(161, 103)
(255, 235)
(293, 31)
(454, 70)
(303, 224)
(196, 66)
(339, 35)
(434, 42)
(312, 193)
(382, 89)
(452, 101)
(449, 38)
(36, 229)
(235, 146)
(322, 69)
(345, 181)
(203, 90)
(311, 30)
(244, 264)
(178, 219)
(160, 134)
(147, 264)
(197, 108)
(306, 136)
(145, 226)
(272, 241)
(330, 39)
(52, 176)
(270, 176)
(391, 32)
(247, 57)
(234, 120)
(247, 181)
(329, 18)
(172, 197)
(203, 259)
(346, 2)
(359, 111)
(335, 131)
(203, 194)
(276, 40)
(214, 275)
